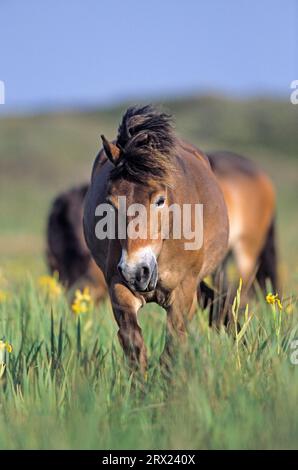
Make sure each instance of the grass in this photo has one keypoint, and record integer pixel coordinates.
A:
(66, 383)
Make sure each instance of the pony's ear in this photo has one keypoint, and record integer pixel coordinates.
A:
(111, 150)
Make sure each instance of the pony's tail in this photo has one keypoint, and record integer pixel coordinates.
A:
(267, 262)
(66, 251)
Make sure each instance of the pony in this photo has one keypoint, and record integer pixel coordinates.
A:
(66, 251)
(149, 165)
(250, 199)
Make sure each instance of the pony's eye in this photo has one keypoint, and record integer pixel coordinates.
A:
(160, 201)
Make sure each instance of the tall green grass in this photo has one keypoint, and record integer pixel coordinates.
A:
(67, 385)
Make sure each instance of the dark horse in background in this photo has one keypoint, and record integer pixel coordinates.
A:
(66, 251)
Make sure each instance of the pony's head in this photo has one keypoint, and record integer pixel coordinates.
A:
(143, 172)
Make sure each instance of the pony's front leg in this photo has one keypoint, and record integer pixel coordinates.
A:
(125, 307)
(179, 311)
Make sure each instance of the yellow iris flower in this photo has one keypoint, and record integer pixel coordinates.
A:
(82, 301)
(273, 299)
(5, 345)
(50, 286)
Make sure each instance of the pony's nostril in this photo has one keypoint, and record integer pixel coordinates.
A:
(143, 273)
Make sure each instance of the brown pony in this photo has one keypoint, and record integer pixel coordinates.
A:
(249, 196)
(250, 199)
(149, 165)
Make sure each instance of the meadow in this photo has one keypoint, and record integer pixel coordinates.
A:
(64, 382)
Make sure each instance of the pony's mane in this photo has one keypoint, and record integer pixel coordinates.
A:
(146, 141)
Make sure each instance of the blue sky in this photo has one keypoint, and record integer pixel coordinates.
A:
(71, 53)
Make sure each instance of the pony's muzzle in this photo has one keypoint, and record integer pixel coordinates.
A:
(141, 277)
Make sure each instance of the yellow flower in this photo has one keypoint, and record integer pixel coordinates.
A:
(5, 345)
(3, 296)
(270, 298)
(273, 299)
(82, 301)
(50, 286)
